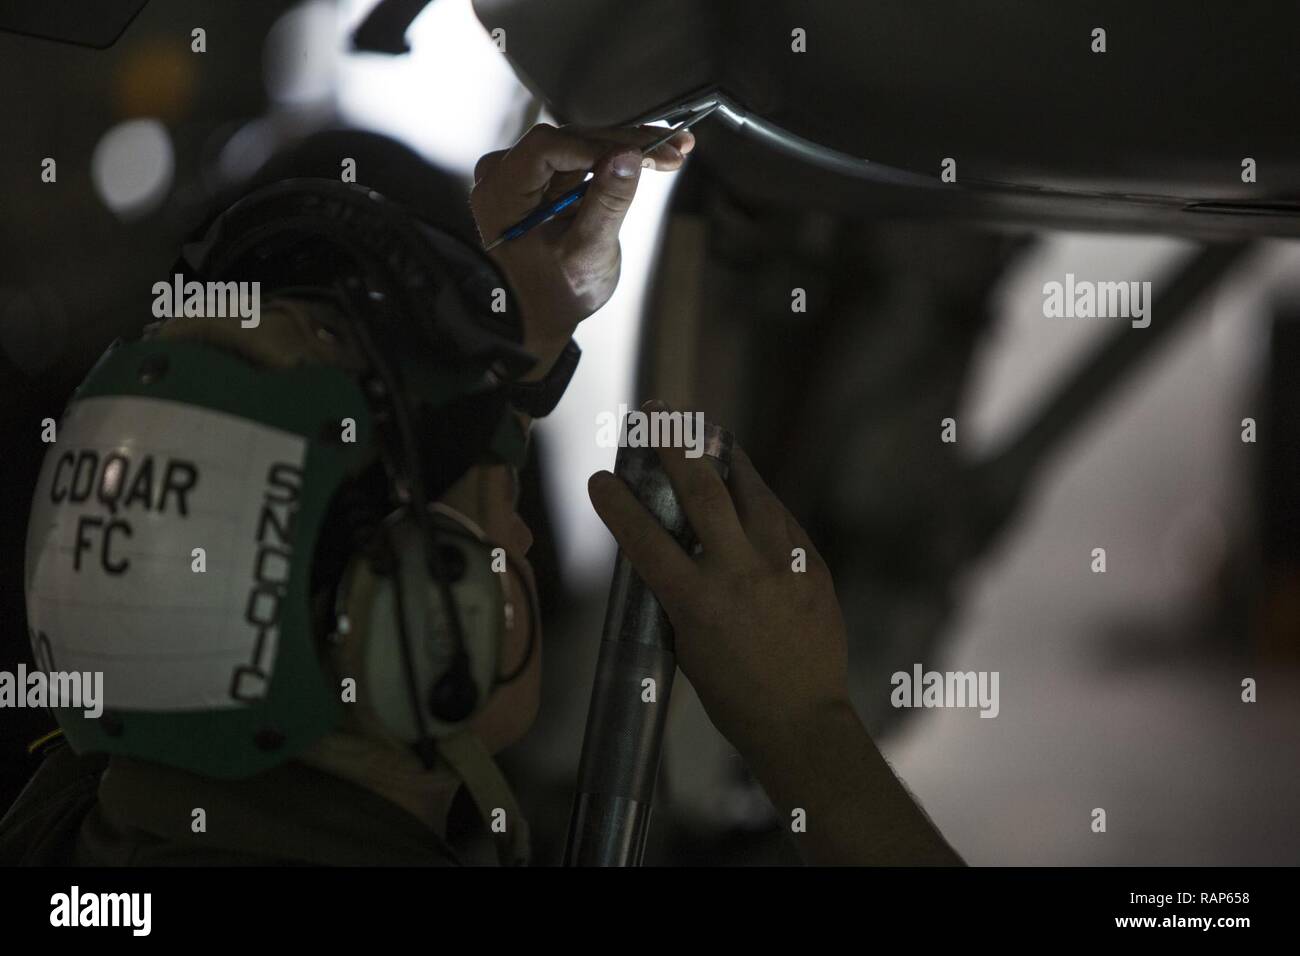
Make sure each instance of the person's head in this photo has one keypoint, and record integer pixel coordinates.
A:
(303, 524)
(481, 504)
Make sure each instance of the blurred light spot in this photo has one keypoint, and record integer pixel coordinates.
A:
(299, 56)
(132, 167)
(247, 149)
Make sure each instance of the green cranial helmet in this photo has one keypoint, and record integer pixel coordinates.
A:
(187, 514)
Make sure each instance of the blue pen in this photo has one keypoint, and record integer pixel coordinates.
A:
(565, 200)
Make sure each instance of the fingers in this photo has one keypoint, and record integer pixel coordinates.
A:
(545, 150)
(668, 156)
(609, 197)
(761, 513)
(766, 519)
(561, 184)
(703, 496)
(664, 566)
(487, 163)
(522, 173)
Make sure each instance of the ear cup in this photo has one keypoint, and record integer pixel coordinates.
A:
(392, 587)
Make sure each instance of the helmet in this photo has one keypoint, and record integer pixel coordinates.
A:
(217, 505)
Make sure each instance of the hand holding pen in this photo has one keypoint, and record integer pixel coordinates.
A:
(563, 263)
(549, 210)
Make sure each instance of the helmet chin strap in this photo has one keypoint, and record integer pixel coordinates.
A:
(468, 758)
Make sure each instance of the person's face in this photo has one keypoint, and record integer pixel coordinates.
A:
(488, 495)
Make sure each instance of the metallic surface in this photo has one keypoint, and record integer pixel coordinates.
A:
(788, 143)
(624, 735)
(1149, 135)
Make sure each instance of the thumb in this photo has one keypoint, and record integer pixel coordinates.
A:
(608, 199)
